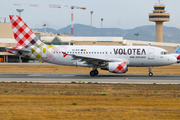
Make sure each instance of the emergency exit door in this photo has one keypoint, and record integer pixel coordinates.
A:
(151, 53)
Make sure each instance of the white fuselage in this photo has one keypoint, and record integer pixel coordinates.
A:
(139, 56)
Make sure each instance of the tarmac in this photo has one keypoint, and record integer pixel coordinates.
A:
(104, 78)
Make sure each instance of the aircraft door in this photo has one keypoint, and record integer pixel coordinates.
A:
(151, 53)
(44, 52)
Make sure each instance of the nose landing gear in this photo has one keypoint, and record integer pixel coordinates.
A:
(150, 72)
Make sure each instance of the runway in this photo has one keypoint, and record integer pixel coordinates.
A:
(104, 78)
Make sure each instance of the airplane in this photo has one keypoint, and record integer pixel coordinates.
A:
(115, 59)
(177, 54)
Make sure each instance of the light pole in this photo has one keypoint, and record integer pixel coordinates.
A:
(4, 20)
(136, 36)
(91, 22)
(19, 11)
(101, 25)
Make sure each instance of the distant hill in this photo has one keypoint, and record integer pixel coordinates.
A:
(49, 30)
(146, 33)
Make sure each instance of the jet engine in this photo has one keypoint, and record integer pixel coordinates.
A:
(117, 67)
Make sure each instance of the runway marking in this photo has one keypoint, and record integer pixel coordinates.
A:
(34, 75)
(67, 75)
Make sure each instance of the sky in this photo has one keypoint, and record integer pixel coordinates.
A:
(124, 14)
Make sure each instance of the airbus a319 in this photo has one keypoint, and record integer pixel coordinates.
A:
(115, 59)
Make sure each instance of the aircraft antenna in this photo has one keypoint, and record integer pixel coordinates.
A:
(159, 2)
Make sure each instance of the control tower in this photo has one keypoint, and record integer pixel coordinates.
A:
(159, 16)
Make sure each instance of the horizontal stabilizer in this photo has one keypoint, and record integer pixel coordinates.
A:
(16, 50)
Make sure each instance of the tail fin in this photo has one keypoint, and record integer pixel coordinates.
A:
(22, 33)
(177, 54)
(177, 51)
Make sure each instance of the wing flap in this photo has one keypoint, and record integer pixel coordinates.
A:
(92, 60)
(86, 58)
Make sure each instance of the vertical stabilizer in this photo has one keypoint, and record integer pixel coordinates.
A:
(177, 51)
(177, 54)
(23, 35)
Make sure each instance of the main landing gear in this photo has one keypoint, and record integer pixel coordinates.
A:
(150, 72)
(94, 72)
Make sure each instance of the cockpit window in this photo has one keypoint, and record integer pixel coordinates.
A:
(164, 53)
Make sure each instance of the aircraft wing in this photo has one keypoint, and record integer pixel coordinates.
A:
(95, 60)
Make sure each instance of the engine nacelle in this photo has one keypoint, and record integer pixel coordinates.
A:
(117, 67)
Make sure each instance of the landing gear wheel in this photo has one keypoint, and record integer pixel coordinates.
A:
(96, 72)
(92, 73)
(150, 74)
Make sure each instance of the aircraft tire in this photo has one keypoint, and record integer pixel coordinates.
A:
(150, 74)
(92, 73)
(96, 72)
